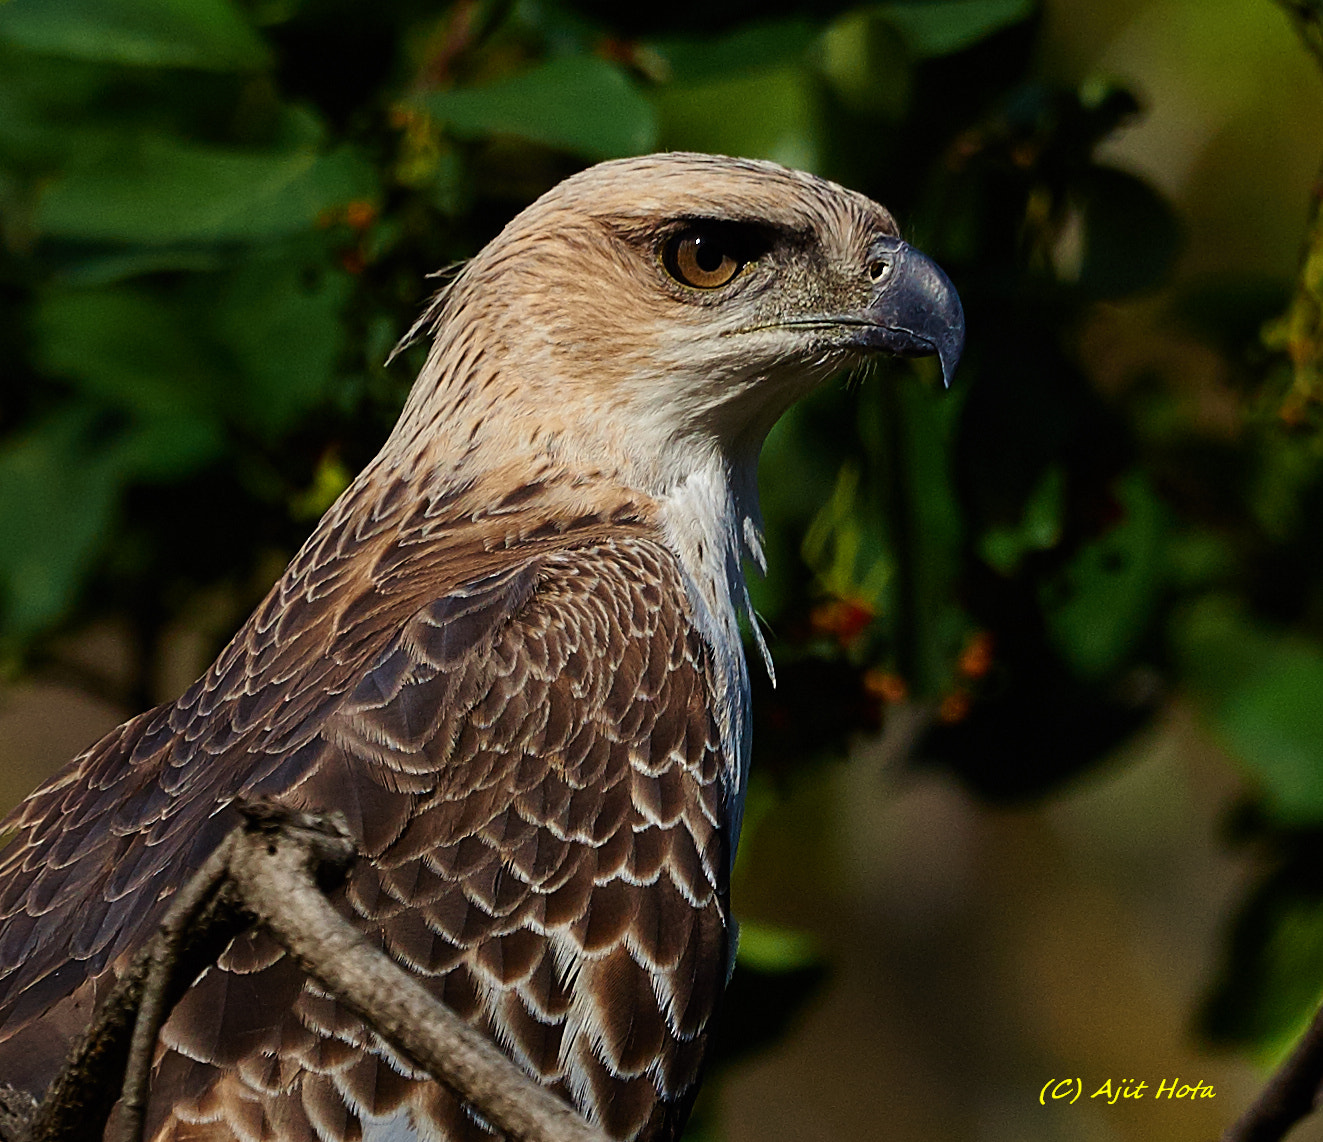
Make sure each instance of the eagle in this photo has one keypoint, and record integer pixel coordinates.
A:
(510, 655)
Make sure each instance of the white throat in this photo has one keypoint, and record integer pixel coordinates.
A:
(710, 521)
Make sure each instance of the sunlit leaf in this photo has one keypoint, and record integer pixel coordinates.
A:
(767, 114)
(844, 545)
(769, 948)
(865, 60)
(580, 104)
(328, 481)
(1273, 978)
(212, 35)
(1264, 693)
(776, 972)
(1299, 331)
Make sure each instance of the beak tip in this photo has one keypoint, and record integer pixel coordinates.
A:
(950, 348)
(951, 342)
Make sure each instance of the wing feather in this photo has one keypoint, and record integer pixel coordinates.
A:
(528, 758)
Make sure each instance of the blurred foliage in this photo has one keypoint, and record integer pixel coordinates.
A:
(217, 217)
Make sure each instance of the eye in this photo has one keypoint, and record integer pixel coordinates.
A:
(704, 257)
(878, 269)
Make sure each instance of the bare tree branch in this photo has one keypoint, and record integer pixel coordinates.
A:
(200, 922)
(210, 897)
(157, 965)
(16, 1110)
(275, 881)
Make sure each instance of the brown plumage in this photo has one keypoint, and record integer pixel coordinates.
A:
(509, 654)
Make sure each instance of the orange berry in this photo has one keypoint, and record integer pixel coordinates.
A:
(954, 707)
(888, 686)
(976, 659)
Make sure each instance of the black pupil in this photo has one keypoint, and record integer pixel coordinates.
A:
(708, 254)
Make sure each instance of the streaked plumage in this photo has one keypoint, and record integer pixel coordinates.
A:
(510, 655)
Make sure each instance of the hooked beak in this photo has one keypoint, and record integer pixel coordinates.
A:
(915, 310)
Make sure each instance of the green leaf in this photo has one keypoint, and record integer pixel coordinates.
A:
(168, 447)
(137, 261)
(767, 114)
(844, 545)
(938, 29)
(865, 60)
(60, 485)
(1004, 546)
(1099, 608)
(57, 499)
(770, 948)
(1283, 484)
(908, 429)
(789, 507)
(328, 481)
(1264, 692)
(1273, 979)
(1276, 723)
(158, 190)
(256, 346)
(580, 104)
(1198, 557)
(130, 348)
(44, 107)
(282, 326)
(754, 47)
(1131, 236)
(210, 35)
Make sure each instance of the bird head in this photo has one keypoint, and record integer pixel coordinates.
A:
(648, 307)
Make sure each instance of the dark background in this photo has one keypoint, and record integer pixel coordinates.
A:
(1040, 792)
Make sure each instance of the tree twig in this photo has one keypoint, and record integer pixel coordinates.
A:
(274, 881)
(211, 896)
(200, 922)
(160, 955)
